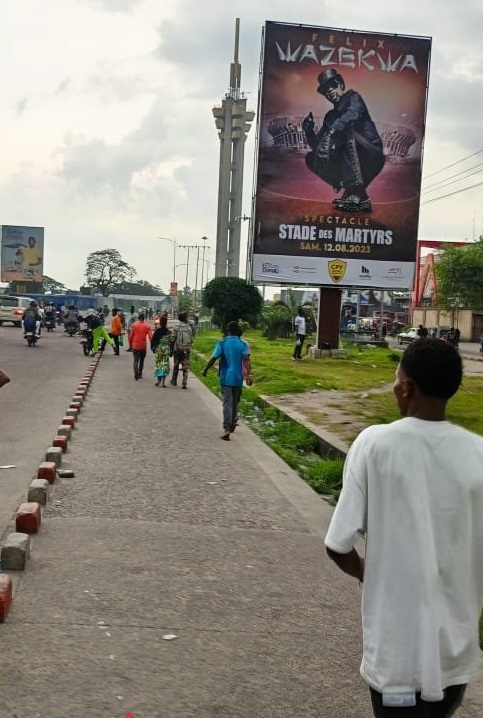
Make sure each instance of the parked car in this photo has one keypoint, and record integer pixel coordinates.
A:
(408, 336)
(12, 308)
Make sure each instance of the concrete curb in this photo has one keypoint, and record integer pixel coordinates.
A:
(328, 445)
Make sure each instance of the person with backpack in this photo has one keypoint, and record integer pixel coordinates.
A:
(100, 337)
(32, 319)
(234, 355)
(182, 341)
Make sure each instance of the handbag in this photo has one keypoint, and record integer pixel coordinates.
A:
(121, 340)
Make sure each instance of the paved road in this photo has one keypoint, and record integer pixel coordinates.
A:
(166, 530)
(44, 378)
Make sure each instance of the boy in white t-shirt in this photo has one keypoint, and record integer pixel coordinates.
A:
(414, 488)
(300, 332)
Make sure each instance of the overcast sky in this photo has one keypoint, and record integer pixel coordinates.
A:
(107, 135)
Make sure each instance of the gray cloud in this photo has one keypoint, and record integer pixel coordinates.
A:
(63, 87)
(21, 106)
(116, 5)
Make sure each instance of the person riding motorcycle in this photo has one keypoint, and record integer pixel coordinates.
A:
(50, 314)
(31, 318)
(100, 337)
(71, 319)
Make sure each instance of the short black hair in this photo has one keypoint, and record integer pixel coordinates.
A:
(183, 317)
(233, 328)
(141, 316)
(435, 366)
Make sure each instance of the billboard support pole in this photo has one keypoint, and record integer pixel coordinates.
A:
(328, 325)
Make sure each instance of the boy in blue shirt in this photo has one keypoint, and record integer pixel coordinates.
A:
(233, 353)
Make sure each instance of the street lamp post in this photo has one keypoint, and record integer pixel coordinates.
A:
(187, 265)
(203, 247)
(175, 246)
(203, 260)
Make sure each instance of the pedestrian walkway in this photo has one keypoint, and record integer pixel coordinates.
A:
(180, 576)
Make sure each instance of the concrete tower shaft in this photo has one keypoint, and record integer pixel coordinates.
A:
(233, 122)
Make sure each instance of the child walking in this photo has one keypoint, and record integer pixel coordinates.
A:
(161, 360)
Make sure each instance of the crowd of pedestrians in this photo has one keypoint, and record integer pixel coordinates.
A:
(164, 342)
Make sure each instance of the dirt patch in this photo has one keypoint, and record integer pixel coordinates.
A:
(341, 415)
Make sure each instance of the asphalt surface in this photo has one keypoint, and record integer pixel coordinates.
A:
(177, 575)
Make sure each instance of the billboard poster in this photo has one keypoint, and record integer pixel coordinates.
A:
(22, 254)
(340, 140)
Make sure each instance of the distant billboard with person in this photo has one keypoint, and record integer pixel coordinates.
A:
(22, 254)
(341, 127)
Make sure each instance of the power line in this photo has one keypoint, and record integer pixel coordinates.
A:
(443, 169)
(457, 178)
(451, 194)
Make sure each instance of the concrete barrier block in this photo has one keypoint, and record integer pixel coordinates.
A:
(15, 552)
(47, 470)
(6, 594)
(315, 353)
(79, 393)
(76, 404)
(69, 419)
(39, 491)
(28, 518)
(54, 453)
(60, 441)
(72, 413)
(64, 430)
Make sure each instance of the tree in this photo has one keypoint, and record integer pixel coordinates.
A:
(277, 321)
(53, 286)
(139, 287)
(232, 298)
(459, 272)
(185, 303)
(293, 305)
(105, 269)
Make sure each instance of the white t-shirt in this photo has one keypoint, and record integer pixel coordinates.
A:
(415, 488)
(299, 324)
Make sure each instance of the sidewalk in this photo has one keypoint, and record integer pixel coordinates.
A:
(167, 531)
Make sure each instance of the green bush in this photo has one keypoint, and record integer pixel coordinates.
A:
(276, 322)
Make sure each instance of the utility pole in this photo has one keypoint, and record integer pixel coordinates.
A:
(175, 245)
(203, 263)
(197, 247)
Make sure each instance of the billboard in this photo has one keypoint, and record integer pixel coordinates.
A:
(340, 139)
(22, 254)
(173, 289)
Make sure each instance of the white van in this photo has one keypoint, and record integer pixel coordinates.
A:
(12, 308)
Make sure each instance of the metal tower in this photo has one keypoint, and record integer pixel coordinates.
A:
(233, 121)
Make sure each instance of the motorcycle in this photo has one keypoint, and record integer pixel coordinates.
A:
(30, 331)
(50, 322)
(87, 341)
(71, 326)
